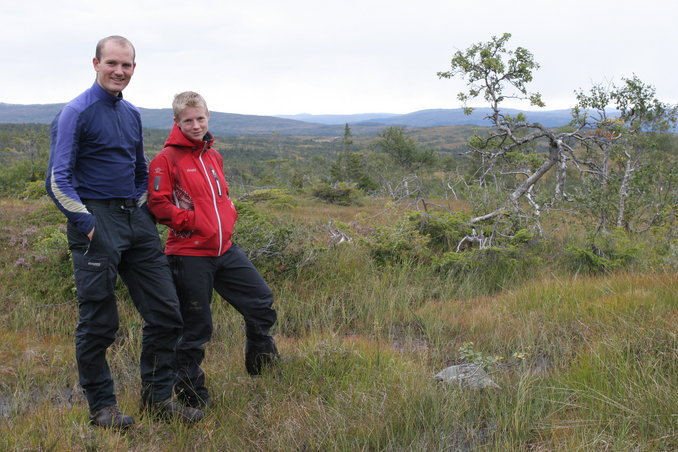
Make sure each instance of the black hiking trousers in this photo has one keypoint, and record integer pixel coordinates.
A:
(235, 278)
(125, 242)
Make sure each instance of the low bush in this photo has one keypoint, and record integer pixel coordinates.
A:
(261, 237)
(445, 230)
(397, 244)
(494, 268)
(604, 252)
(273, 197)
(341, 193)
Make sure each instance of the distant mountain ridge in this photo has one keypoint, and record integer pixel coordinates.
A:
(434, 118)
(337, 119)
(303, 124)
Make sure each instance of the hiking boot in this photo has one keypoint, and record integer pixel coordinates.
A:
(171, 408)
(259, 356)
(111, 417)
(193, 399)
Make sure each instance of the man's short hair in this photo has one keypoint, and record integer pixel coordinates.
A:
(186, 100)
(118, 39)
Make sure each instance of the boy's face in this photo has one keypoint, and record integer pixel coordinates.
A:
(193, 122)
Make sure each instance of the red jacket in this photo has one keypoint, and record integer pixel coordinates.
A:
(187, 191)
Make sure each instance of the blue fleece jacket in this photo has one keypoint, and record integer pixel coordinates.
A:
(96, 152)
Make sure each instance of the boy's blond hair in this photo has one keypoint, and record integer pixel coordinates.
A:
(187, 99)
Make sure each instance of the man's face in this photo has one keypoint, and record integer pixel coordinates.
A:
(193, 122)
(115, 68)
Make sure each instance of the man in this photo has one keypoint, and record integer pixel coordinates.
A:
(97, 177)
(188, 192)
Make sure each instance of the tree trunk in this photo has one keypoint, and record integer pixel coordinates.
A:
(624, 190)
(554, 157)
(561, 178)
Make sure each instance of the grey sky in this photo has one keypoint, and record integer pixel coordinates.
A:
(307, 56)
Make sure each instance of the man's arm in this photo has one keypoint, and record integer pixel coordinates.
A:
(59, 181)
(141, 170)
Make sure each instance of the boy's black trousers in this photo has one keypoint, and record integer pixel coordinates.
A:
(235, 278)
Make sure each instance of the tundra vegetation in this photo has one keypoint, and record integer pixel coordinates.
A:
(546, 256)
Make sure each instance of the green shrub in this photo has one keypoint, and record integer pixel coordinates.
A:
(477, 260)
(659, 250)
(523, 236)
(606, 251)
(259, 236)
(493, 268)
(50, 258)
(274, 197)
(34, 190)
(589, 260)
(341, 193)
(396, 244)
(445, 231)
(16, 176)
(52, 241)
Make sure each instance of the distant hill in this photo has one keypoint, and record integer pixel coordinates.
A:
(435, 118)
(338, 119)
(299, 125)
(220, 123)
(235, 124)
(34, 113)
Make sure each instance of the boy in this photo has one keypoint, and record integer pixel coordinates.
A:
(188, 192)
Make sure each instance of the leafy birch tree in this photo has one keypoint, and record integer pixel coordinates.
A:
(615, 141)
(510, 150)
(627, 155)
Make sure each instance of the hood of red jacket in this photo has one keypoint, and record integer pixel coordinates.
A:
(177, 138)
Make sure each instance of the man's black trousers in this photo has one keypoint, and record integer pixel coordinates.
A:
(125, 242)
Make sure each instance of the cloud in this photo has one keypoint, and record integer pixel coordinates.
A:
(272, 57)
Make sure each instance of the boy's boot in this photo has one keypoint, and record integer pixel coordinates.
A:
(111, 417)
(170, 409)
(190, 396)
(259, 355)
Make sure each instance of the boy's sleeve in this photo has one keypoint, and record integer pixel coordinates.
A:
(162, 198)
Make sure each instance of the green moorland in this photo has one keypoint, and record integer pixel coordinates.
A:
(360, 238)
(584, 360)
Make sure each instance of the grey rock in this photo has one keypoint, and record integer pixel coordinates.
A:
(466, 375)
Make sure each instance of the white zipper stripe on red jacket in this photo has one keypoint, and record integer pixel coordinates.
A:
(214, 199)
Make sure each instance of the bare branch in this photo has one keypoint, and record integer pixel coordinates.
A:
(482, 241)
(337, 235)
